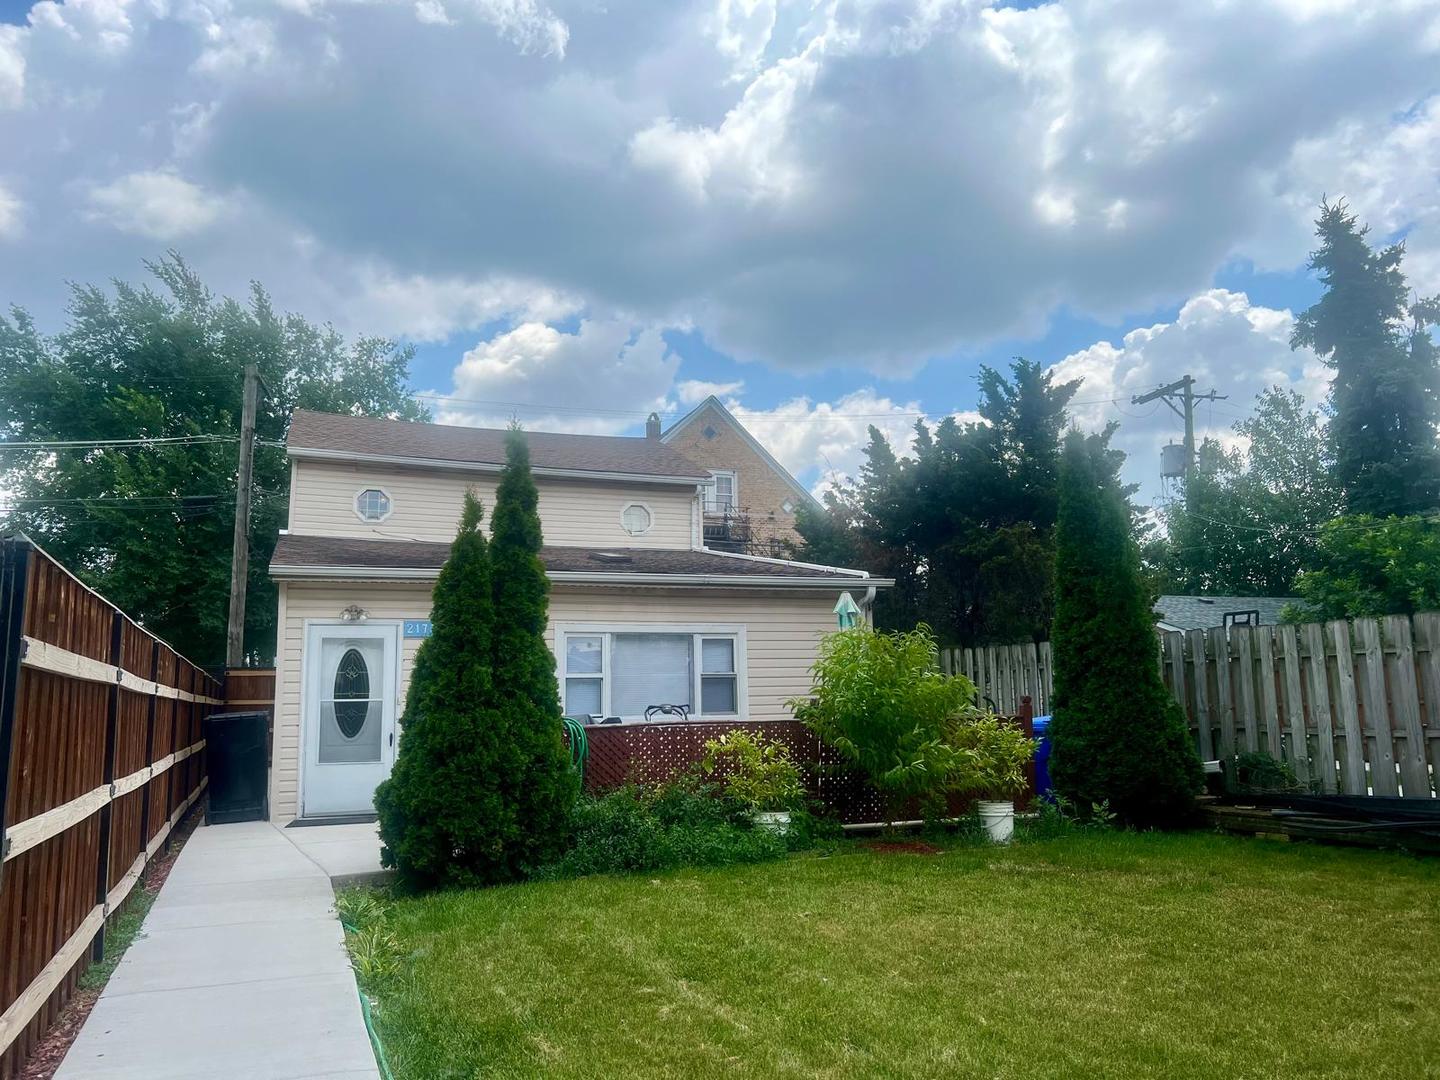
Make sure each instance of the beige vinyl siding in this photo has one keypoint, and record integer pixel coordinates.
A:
(783, 631)
(426, 505)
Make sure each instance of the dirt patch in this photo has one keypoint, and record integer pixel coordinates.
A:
(44, 1061)
(902, 847)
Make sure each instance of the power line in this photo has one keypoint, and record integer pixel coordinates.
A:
(100, 444)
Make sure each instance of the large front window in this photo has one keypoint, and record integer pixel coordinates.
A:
(626, 671)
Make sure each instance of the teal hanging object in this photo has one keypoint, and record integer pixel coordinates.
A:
(847, 612)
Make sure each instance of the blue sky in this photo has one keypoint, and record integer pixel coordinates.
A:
(830, 214)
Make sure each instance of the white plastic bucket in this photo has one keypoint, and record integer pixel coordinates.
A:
(776, 821)
(998, 819)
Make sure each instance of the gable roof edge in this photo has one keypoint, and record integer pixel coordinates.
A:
(750, 441)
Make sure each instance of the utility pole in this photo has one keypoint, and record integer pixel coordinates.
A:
(240, 553)
(1185, 390)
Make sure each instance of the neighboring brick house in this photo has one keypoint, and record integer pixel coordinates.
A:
(751, 502)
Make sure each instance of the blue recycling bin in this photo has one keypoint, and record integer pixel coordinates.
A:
(1042, 756)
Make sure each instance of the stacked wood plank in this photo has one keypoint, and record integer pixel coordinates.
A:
(101, 752)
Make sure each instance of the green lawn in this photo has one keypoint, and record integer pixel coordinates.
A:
(1096, 955)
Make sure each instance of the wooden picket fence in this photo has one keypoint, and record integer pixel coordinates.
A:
(101, 753)
(1003, 674)
(1354, 707)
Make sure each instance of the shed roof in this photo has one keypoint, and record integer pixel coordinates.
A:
(1201, 612)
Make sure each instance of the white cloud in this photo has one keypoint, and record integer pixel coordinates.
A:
(694, 391)
(157, 205)
(10, 213)
(607, 375)
(823, 442)
(12, 67)
(1228, 344)
(433, 308)
(809, 185)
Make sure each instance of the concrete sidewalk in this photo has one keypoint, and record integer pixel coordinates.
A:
(240, 972)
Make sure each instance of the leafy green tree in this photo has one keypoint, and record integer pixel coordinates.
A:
(965, 525)
(534, 767)
(1386, 390)
(447, 815)
(1249, 521)
(1117, 736)
(150, 527)
(1366, 567)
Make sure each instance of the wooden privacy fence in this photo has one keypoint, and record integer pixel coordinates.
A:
(1003, 674)
(1354, 707)
(101, 753)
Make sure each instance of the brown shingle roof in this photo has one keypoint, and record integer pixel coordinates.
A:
(486, 446)
(338, 551)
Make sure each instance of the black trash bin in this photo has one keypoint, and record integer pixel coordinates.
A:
(235, 745)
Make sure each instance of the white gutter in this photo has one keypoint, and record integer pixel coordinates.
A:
(864, 574)
(574, 577)
(317, 454)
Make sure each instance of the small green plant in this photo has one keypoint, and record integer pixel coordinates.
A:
(993, 755)
(360, 907)
(758, 773)
(1055, 815)
(882, 702)
(640, 829)
(375, 954)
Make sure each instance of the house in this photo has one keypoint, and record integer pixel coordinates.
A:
(1202, 612)
(751, 501)
(642, 612)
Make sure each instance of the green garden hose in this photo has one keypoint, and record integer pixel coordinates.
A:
(375, 1045)
(579, 744)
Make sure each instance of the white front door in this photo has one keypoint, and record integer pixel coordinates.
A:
(351, 674)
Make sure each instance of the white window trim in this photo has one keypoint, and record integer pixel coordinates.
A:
(355, 504)
(735, 631)
(712, 505)
(643, 506)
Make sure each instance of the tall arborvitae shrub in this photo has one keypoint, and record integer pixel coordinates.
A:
(446, 816)
(1117, 736)
(539, 783)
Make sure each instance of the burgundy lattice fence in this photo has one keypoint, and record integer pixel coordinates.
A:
(650, 753)
(100, 754)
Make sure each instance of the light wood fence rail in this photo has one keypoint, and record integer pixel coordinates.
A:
(1005, 673)
(1353, 706)
(101, 753)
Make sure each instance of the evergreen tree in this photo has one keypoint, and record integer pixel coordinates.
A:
(1386, 391)
(446, 815)
(965, 524)
(1117, 735)
(535, 765)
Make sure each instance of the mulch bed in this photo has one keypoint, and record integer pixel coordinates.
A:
(44, 1061)
(902, 847)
